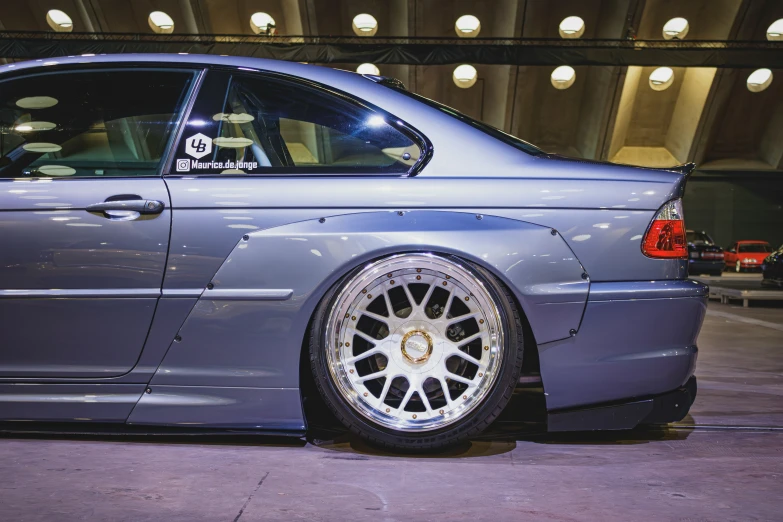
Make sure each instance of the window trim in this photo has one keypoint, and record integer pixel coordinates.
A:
(189, 97)
(412, 133)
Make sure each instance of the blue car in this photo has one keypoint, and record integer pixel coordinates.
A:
(209, 242)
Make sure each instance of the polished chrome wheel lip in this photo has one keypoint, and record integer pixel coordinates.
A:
(351, 302)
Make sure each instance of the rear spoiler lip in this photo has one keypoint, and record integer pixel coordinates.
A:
(686, 169)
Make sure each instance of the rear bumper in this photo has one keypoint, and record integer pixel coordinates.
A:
(697, 266)
(661, 409)
(636, 339)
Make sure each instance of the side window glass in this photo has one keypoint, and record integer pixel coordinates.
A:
(270, 125)
(88, 124)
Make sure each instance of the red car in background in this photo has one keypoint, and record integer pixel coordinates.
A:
(746, 255)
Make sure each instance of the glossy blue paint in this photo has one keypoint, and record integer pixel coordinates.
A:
(209, 406)
(627, 347)
(68, 402)
(310, 256)
(236, 360)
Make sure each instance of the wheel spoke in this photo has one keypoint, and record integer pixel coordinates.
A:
(423, 305)
(372, 351)
(470, 338)
(407, 397)
(409, 296)
(459, 378)
(385, 390)
(366, 337)
(372, 315)
(444, 385)
(424, 399)
(371, 376)
(465, 317)
(455, 351)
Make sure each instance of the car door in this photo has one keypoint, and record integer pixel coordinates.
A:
(730, 255)
(85, 216)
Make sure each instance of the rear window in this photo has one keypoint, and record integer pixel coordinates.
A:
(755, 248)
(496, 133)
(698, 238)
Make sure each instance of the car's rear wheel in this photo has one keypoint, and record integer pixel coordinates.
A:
(417, 351)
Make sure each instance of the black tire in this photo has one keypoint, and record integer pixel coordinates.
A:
(463, 429)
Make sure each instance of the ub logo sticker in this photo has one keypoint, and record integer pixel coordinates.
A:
(198, 146)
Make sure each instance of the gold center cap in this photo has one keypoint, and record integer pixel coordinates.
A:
(416, 346)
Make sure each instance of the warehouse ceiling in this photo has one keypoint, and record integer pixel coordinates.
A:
(615, 112)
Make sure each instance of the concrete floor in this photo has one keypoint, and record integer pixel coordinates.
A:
(723, 462)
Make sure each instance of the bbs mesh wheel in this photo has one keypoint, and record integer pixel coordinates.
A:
(417, 351)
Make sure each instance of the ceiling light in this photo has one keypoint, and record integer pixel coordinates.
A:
(368, 68)
(572, 27)
(59, 21)
(563, 77)
(775, 31)
(364, 25)
(467, 26)
(36, 102)
(676, 29)
(759, 80)
(661, 78)
(160, 22)
(56, 170)
(31, 126)
(262, 23)
(41, 148)
(465, 76)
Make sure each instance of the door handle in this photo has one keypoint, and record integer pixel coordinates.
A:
(142, 206)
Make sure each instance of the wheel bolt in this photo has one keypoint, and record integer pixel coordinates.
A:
(388, 410)
(467, 298)
(350, 371)
(441, 412)
(364, 291)
(349, 344)
(444, 283)
(486, 347)
(418, 270)
(464, 397)
(448, 277)
(392, 281)
(414, 415)
(369, 296)
(347, 315)
(418, 278)
(388, 275)
(481, 321)
(365, 394)
(353, 318)
(481, 374)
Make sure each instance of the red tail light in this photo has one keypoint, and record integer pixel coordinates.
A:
(666, 236)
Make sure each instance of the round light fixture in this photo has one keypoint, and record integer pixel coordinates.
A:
(59, 21)
(33, 126)
(759, 80)
(675, 29)
(41, 148)
(467, 26)
(262, 23)
(368, 68)
(563, 77)
(572, 27)
(160, 22)
(775, 31)
(465, 76)
(661, 78)
(36, 102)
(364, 24)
